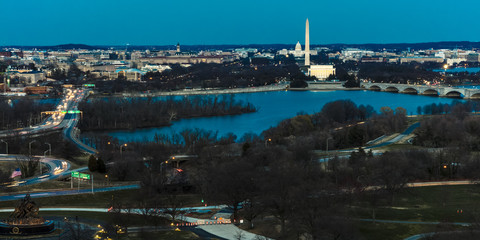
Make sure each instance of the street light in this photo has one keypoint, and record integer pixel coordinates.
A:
(328, 157)
(327, 143)
(30, 147)
(49, 148)
(6, 150)
(121, 146)
(267, 141)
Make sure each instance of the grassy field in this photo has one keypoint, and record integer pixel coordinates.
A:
(391, 231)
(422, 204)
(438, 204)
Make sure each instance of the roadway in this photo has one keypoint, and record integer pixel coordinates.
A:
(61, 119)
(396, 139)
(405, 133)
(74, 191)
(52, 123)
(56, 168)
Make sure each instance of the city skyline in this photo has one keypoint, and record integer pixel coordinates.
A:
(216, 22)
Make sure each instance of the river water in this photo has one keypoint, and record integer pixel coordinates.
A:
(274, 107)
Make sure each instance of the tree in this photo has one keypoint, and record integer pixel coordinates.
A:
(28, 165)
(298, 84)
(227, 181)
(92, 163)
(101, 166)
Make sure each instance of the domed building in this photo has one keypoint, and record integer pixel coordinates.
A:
(298, 50)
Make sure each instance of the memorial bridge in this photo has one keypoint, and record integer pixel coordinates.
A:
(440, 91)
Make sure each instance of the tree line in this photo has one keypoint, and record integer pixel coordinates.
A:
(347, 124)
(456, 129)
(131, 113)
(20, 113)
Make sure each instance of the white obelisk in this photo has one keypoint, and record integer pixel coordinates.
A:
(307, 44)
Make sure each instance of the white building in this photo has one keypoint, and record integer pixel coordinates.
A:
(321, 72)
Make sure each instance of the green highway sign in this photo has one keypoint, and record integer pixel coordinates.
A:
(81, 175)
(72, 111)
(84, 176)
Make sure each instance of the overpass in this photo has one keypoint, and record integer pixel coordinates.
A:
(440, 91)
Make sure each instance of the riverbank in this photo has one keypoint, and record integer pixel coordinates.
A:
(184, 92)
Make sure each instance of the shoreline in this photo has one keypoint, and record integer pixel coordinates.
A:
(270, 88)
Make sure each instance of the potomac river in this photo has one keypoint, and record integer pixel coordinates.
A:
(276, 106)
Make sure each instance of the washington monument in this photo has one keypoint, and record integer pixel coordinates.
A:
(307, 45)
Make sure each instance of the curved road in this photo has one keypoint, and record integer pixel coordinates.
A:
(405, 133)
(57, 168)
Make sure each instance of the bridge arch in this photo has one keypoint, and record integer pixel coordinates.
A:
(454, 94)
(475, 96)
(410, 90)
(431, 92)
(375, 88)
(392, 89)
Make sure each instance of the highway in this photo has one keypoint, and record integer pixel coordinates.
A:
(345, 153)
(68, 192)
(57, 168)
(405, 133)
(52, 123)
(66, 117)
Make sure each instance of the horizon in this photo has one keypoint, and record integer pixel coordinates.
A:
(234, 44)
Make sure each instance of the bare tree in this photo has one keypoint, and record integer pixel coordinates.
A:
(28, 165)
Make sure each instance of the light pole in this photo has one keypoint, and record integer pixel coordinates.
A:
(30, 147)
(121, 146)
(328, 157)
(49, 148)
(6, 150)
(267, 141)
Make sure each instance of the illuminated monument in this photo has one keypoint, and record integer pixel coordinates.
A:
(307, 44)
(321, 72)
(25, 220)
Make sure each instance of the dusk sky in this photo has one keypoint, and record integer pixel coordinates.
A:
(158, 22)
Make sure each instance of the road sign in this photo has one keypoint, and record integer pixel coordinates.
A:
(81, 175)
(84, 176)
(72, 111)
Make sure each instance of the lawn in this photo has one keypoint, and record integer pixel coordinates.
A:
(438, 204)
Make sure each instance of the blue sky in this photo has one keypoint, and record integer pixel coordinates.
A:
(159, 22)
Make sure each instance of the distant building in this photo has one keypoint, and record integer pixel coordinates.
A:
(375, 59)
(472, 57)
(27, 77)
(321, 72)
(421, 59)
(182, 59)
(155, 68)
(5, 54)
